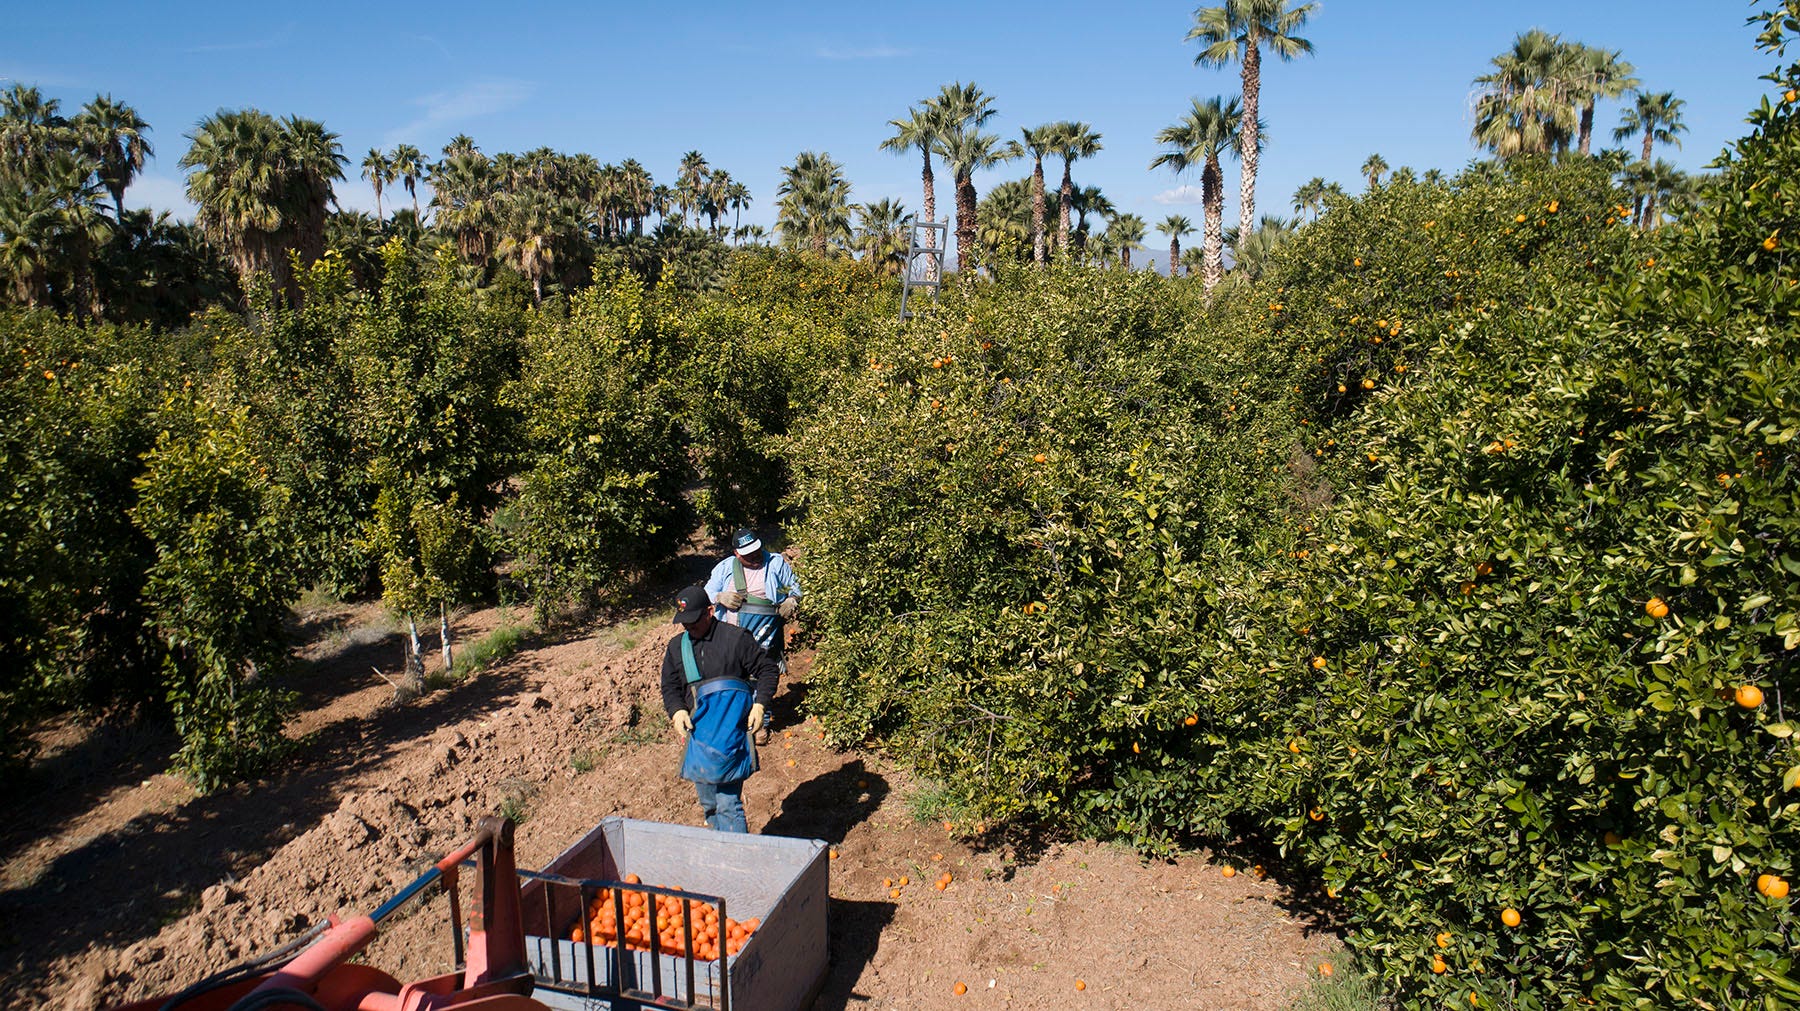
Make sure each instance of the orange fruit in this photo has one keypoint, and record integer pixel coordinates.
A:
(1510, 916)
(1368, 384)
(1081, 984)
(947, 877)
(949, 826)
(887, 882)
(939, 885)
(1325, 969)
(1294, 746)
(1772, 885)
(1040, 458)
(1229, 872)
(1438, 966)
(1443, 939)
(893, 893)
(1656, 607)
(1136, 749)
(834, 853)
(1316, 815)
(1190, 721)
(1749, 696)
(904, 880)
(960, 988)
(1318, 663)
(1610, 838)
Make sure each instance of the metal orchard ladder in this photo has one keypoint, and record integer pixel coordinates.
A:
(924, 262)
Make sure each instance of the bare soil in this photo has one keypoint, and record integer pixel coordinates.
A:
(118, 881)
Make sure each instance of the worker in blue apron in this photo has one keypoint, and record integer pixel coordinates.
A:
(756, 590)
(716, 685)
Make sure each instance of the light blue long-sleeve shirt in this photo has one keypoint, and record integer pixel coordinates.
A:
(779, 583)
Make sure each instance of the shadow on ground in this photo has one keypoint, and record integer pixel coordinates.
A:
(152, 869)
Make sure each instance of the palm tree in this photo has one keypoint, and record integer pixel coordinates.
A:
(1373, 168)
(379, 173)
(1209, 129)
(237, 188)
(737, 198)
(1527, 104)
(31, 129)
(1038, 141)
(261, 187)
(1074, 141)
(409, 165)
(1238, 31)
(1124, 233)
(1084, 201)
(881, 236)
(690, 183)
(959, 111)
(814, 209)
(1310, 197)
(1250, 253)
(919, 131)
(1599, 73)
(1656, 116)
(1175, 226)
(113, 134)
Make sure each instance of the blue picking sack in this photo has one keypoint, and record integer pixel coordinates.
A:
(719, 749)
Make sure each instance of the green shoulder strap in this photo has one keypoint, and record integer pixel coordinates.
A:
(737, 579)
(687, 658)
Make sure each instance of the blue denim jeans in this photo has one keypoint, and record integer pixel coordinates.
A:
(723, 805)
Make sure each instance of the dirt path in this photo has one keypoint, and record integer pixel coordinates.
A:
(119, 882)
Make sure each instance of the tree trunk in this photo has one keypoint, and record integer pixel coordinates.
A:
(1247, 134)
(412, 679)
(1067, 196)
(444, 633)
(930, 193)
(378, 215)
(1213, 236)
(1649, 137)
(1174, 256)
(1587, 125)
(1125, 255)
(1038, 253)
(965, 223)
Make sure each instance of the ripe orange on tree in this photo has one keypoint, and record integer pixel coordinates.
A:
(1510, 916)
(1656, 607)
(1749, 696)
(1772, 885)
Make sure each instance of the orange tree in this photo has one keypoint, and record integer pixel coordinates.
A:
(1520, 703)
(753, 356)
(599, 490)
(75, 406)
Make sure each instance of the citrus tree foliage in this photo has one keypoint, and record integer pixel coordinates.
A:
(290, 370)
(1360, 558)
(72, 426)
(600, 481)
(428, 361)
(218, 588)
(753, 357)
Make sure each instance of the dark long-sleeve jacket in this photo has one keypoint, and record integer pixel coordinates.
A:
(725, 651)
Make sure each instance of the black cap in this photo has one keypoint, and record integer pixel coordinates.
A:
(690, 604)
(745, 542)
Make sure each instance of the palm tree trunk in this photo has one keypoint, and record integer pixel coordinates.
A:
(1038, 253)
(965, 222)
(1213, 236)
(1649, 136)
(930, 192)
(1587, 125)
(1174, 256)
(1065, 196)
(1247, 135)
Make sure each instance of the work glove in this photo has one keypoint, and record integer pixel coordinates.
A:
(684, 724)
(756, 715)
(788, 607)
(730, 600)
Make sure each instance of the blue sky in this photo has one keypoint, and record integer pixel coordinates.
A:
(749, 85)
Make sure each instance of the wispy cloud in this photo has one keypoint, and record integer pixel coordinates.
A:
(879, 52)
(280, 38)
(1180, 195)
(471, 101)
